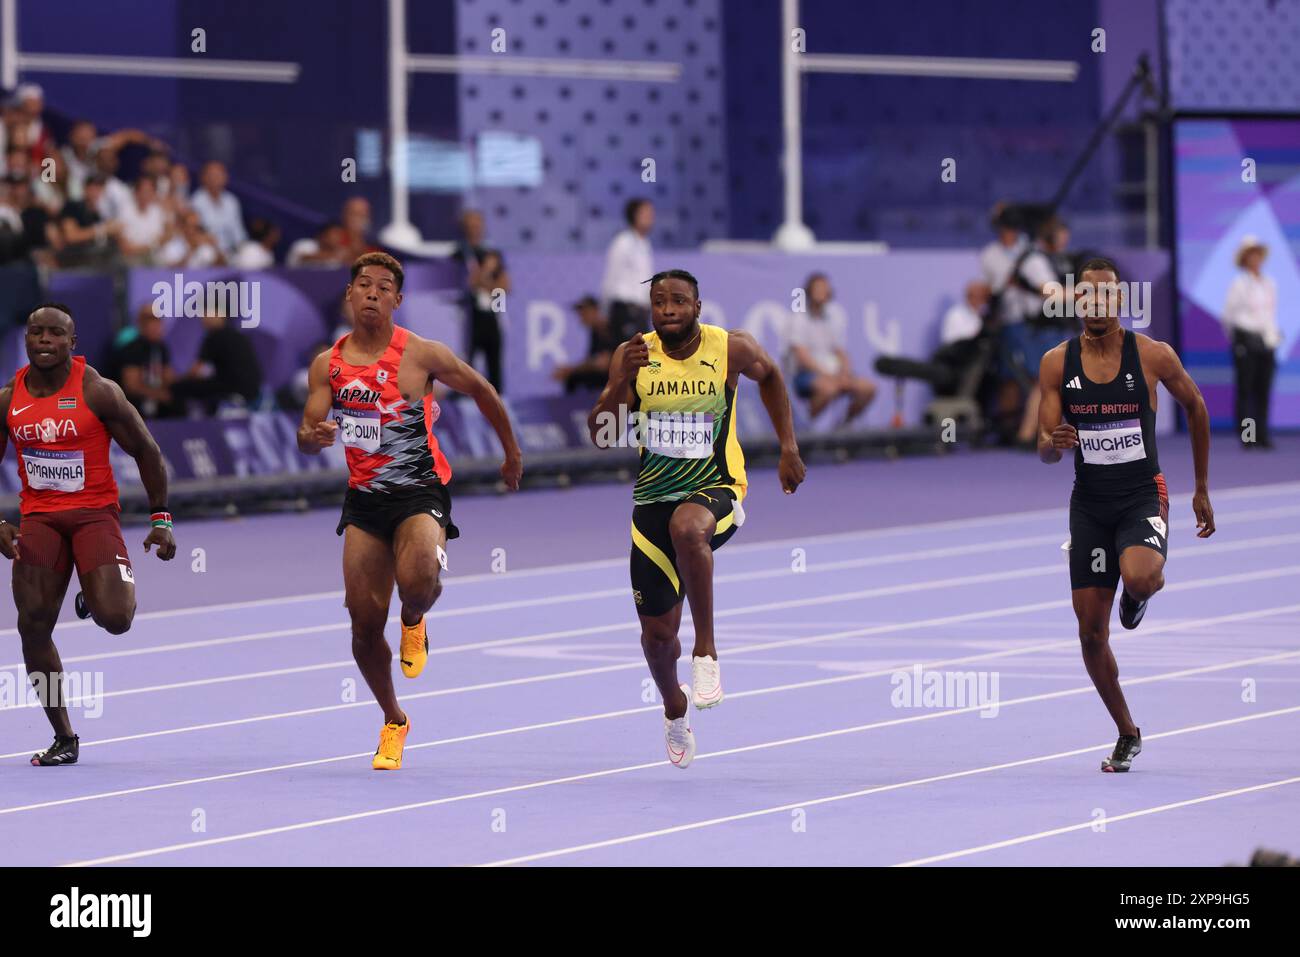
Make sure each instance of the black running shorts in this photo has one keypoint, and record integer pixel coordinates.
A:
(1101, 528)
(379, 513)
(656, 587)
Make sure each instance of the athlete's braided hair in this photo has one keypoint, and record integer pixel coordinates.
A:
(676, 274)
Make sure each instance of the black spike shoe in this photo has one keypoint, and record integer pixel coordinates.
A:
(1131, 611)
(79, 605)
(1128, 747)
(62, 751)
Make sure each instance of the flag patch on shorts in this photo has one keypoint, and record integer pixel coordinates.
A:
(68, 403)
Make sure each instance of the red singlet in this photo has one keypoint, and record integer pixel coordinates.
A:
(390, 442)
(62, 447)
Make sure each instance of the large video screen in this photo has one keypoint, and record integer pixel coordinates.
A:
(1233, 178)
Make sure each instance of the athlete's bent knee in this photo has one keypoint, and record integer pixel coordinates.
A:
(657, 632)
(688, 534)
(116, 622)
(1143, 586)
(35, 628)
(419, 591)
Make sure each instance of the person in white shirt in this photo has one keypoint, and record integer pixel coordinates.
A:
(258, 251)
(629, 262)
(1250, 322)
(189, 245)
(219, 209)
(117, 195)
(816, 356)
(144, 222)
(965, 319)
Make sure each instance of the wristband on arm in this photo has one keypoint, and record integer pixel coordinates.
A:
(161, 519)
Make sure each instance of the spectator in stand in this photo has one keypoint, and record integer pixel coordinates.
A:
(31, 102)
(41, 235)
(629, 262)
(13, 241)
(179, 190)
(356, 227)
(78, 155)
(488, 281)
(144, 224)
(258, 251)
(346, 321)
(591, 373)
(117, 195)
(817, 357)
(326, 249)
(292, 396)
(226, 369)
(88, 241)
(965, 319)
(188, 244)
(143, 367)
(218, 208)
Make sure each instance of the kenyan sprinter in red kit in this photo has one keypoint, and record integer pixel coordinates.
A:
(61, 415)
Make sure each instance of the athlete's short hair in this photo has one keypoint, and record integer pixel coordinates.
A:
(61, 307)
(676, 274)
(384, 261)
(1099, 264)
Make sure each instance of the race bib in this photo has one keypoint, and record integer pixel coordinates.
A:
(680, 435)
(1109, 443)
(55, 471)
(359, 428)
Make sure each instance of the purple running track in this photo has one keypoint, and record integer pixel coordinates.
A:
(235, 728)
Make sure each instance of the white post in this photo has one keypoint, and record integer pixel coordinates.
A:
(9, 44)
(399, 233)
(793, 234)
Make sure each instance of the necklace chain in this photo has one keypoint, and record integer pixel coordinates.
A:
(669, 352)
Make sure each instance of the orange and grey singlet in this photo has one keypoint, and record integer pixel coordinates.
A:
(62, 447)
(390, 442)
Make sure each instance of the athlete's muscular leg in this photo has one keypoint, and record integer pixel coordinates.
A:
(368, 585)
(38, 596)
(110, 598)
(1143, 571)
(1092, 607)
(419, 581)
(662, 649)
(691, 528)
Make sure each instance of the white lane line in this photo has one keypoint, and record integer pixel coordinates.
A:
(865, 792)
(796, 685)
(1130, 815)
(834, 597)
(376, 812)
(998, 520)
(813, 568)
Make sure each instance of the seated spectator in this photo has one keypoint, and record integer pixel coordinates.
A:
(328, 248)
(179, 190)
(41, 236)
(816, 356)
(144, 223)
(226, 369)
(117, 195)
(592, 372)
(143, 367)
(13, 239)
(965, 320)
(346, 320)
(189, 245)
(219, 209)
(31, 104)
(258, 251)
(88, 241)
(292, 396)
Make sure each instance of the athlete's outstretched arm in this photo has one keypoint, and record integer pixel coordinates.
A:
(1169, 370)
(751, 360)
(109, 404)
(616, 397)
(1054, 434)
(317, 432)
(446, 366)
